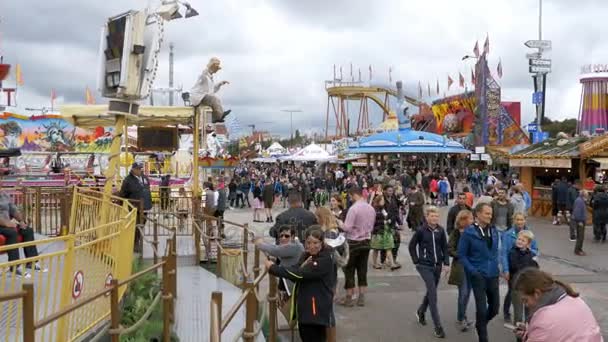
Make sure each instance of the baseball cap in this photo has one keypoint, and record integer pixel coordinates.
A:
(136, 166)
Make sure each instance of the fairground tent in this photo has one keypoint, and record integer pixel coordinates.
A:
(276, 149)
(312, 152)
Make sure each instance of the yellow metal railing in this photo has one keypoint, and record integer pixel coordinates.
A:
(80, 265)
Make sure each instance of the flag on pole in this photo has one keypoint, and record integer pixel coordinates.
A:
(437, 87)
(53, 97)
(428, 85)
(476, 49)
(88, 96)
(370, 72)
(486, 46)
(390, 76)
(499, 68)
(461, 80)
(450, 81)
(18, 75)
(419, 90)
(473, 79)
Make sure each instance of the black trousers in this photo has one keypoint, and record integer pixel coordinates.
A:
(312, 332)
(487, 301)
(164, 198)
(357, 262)
(10, 234)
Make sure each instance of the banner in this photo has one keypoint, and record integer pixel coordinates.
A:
(51, 133)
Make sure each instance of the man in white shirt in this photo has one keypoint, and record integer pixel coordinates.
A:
(205, 91)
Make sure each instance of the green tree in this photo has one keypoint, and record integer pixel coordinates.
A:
(567, 126)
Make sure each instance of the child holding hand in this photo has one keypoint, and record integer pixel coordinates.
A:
(520, 257)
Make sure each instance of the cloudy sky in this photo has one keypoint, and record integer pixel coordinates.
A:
(278, 53)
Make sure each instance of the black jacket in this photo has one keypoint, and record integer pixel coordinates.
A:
(135, 190)
(299, 218)
(452, 216)
(599, 202)
(392, 206)
(429, 247)
(520, 259)
(313, 291)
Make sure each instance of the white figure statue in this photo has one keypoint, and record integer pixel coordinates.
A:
(204, 91)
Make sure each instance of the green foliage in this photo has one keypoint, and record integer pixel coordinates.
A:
(137, 300)
(567, 126)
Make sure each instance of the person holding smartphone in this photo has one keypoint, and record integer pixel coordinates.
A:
(557, 312)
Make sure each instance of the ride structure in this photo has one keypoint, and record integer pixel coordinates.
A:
(339, 96)
(593, 112)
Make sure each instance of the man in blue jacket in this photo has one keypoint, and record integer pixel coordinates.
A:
(478, 253)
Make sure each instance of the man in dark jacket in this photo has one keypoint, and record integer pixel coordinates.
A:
(296, 216)
(478, 253)
(599, 203)
(579, 218)
(429, 251)
(136, 188)
(458, 207)
(562, 195)
(415, 199)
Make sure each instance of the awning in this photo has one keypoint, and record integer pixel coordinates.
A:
(537, 162)
(97, 115)
(603, 162)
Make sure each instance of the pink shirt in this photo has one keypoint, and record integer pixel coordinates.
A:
(568, 320)
(359, 221)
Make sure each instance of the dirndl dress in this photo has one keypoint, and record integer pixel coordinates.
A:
(383, 240)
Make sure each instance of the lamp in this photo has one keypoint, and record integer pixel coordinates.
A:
(190, 12)
(186, 98)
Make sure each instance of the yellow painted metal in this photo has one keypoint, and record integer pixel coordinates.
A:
(114, 164)
(95, 249)
(195, 148)
(66, 288)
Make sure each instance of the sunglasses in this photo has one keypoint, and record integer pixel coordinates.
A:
(287, 236)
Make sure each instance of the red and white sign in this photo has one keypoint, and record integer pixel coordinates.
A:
(108, 282)
(78, 284)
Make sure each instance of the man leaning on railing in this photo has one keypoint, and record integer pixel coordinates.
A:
(11, 231)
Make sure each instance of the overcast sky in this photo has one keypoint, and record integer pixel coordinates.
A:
(278, 53)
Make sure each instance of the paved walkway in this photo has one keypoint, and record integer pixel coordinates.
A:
(394, 296)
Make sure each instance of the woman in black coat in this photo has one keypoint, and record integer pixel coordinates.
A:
(315, 280)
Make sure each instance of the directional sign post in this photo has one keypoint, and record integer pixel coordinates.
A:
(537, 98)
(539, 44)
(540, 62)
(534, 55)
(539, 69)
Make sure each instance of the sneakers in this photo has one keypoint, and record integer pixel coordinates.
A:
(439, 333)
(38, 268)
(22, 274)
(361, 299)
(580, 253)
(347, 301)
(420, 318)
(572, 239)
(463, 325)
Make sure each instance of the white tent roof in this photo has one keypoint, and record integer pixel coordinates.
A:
(276, 147)
(312, 152)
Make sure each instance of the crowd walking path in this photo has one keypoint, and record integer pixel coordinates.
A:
(394, 296)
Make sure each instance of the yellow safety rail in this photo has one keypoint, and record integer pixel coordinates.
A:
(79, 265)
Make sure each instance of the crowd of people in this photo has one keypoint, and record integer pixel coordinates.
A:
(486, 238)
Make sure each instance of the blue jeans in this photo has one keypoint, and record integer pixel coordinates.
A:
(444, 198)
(464, 292)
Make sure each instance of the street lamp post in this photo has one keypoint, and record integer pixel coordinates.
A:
(291, 111)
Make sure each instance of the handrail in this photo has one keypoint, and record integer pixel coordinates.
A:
(87, 300)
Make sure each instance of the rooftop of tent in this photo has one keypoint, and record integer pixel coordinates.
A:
(406, 141)
(553, 148)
